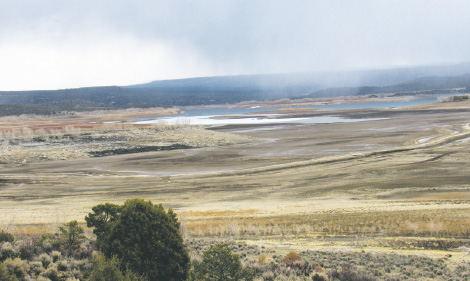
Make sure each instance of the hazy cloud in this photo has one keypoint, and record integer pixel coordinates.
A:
(57, 44)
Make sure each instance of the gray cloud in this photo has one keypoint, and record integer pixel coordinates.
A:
(194, 38)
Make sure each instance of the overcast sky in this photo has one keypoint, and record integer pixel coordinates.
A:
(51, 44)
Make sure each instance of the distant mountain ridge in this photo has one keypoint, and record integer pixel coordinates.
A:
(234, 89)
(320, 80)
(417, 85)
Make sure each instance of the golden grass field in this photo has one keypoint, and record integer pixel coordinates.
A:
(399, 181)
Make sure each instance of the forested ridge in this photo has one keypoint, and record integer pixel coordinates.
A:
(234, 89)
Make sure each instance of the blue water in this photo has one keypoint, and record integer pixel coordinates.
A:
(388, 104)
(205, 113)
(237, 111)
(223, 111)
(203, 116)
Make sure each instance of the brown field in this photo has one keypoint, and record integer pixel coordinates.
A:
(399, 181)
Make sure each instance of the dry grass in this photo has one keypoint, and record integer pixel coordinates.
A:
(343, 183)
(443, 223)
(25, 145)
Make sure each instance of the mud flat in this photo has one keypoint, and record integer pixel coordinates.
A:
(403, 175)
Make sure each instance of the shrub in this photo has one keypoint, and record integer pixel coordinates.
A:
(262, 259)
(219, 264)
(108, 270)
(319, 277)
(143, 236)
(46, 241)
(26, 249)
(7, 251)
(86, 250)
(319, 268)
(18, 267)
(52, 273)
(5, 275)
(75, 275)
(6, 237)
(45, 259)
(346, 272)
(36, 267)
(62, 266)
(55, 255)
(292, 258)
(268, 276)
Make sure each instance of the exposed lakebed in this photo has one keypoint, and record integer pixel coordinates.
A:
(257, 116)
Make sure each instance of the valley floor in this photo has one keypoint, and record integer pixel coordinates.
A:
(398, 182)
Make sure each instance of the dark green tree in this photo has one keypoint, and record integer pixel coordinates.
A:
(71, 236)
(173, 218)
(220, 264)
(144, 237)
(102, 218)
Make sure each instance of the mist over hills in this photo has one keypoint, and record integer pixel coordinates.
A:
(233, 89)
(319, 80)
(422, 85)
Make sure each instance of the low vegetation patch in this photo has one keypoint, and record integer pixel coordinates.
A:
(19, 146)
(453, 224)
(67, 255)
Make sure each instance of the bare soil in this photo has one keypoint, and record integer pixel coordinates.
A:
(403, 175)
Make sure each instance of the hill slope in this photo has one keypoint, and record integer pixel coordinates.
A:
(233, 89)
(423, 84)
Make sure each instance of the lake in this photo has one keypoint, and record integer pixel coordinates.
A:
(206, 116)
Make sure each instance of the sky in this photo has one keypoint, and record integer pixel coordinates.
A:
(56, 44)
